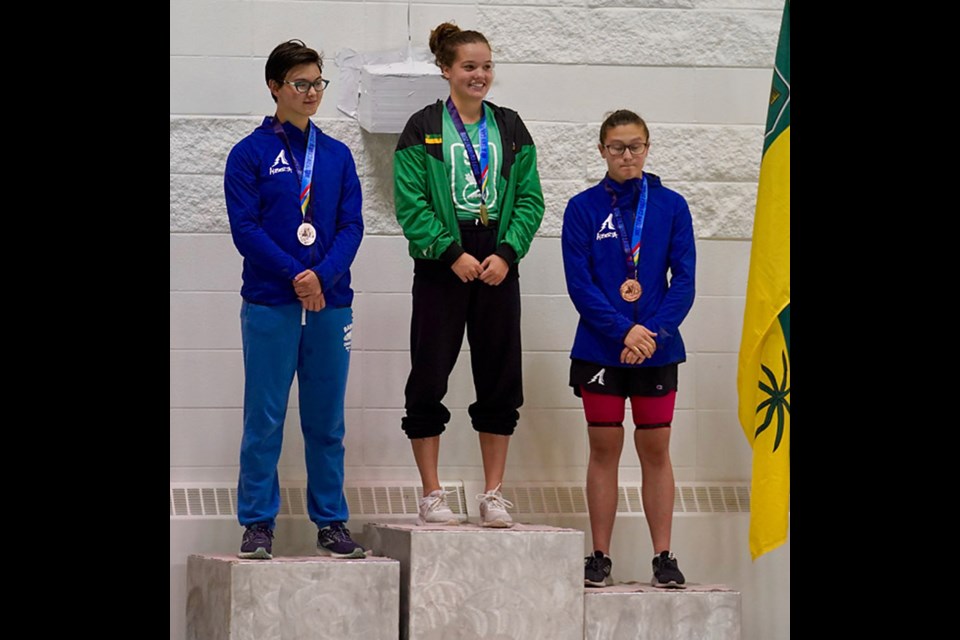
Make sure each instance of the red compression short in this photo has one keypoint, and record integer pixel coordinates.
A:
(604, 410)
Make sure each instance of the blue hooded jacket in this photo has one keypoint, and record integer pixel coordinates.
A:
(595, 266)
(262, 192)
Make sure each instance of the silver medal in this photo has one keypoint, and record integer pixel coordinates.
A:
(306, 234)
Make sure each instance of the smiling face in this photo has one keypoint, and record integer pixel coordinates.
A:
(471, 73)
(624, 167)
(291, 105)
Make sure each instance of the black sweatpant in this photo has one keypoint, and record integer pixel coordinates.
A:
(442, 307)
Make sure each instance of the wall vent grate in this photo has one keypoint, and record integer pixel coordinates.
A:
(220, 501)
(377, 499)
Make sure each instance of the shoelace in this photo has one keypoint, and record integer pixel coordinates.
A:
(494, 499)
(440, 499)
(259, 533)
(339, 533)
(668, 564)
(593, 562)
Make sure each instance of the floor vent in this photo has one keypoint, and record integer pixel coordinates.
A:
(220, 500)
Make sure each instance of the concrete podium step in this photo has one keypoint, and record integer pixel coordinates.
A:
(296, 598)
(467, 582)
(630, 611)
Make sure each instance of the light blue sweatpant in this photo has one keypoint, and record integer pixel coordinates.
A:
(275, 347)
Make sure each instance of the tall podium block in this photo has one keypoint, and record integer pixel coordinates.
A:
(473, 583)
(297, 598)
(642, 612)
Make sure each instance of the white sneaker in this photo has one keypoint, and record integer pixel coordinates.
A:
(493, 509)
(434, 510)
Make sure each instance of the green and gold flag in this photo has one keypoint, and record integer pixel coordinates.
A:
(763, 371)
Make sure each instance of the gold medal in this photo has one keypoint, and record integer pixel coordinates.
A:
(484, 217)
(630, 290)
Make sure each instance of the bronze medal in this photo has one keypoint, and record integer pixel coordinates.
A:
(484, 217)
(630, 290)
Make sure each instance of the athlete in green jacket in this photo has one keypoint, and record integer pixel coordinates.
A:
(421, 181)
(467, 195)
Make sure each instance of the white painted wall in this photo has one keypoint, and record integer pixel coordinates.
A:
(698, 71)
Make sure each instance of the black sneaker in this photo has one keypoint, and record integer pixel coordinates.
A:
(596, 569)
(335, 541)
(666, 573)
(257, 542)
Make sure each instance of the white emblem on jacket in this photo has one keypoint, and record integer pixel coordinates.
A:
(280, 165)
(606, 229)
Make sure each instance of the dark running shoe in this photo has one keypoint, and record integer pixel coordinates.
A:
(335, 541)
(596, 569)
(666, 573)
(257, 542)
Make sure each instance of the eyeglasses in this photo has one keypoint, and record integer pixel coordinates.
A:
(617, 149)
(302, 86)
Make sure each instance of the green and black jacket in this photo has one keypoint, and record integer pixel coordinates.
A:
(421, 188)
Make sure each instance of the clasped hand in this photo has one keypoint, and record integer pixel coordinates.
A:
(492, 270)
(639, 345)
(308, 290)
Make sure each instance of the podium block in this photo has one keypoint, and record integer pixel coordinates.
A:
(472, 583)
(642, 612)
(297, 598)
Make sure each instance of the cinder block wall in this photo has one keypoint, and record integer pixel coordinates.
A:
(698, 71)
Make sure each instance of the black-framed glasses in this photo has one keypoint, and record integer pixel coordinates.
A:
(302, 86)
(636, 148)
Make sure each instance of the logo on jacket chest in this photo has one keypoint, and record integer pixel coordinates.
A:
(463, 184)
(280, 165)
(607, 229)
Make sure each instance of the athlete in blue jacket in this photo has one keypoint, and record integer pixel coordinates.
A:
(293, 199)
(629, 258)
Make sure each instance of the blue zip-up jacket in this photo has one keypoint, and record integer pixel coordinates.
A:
(595, 266)
(262, 192)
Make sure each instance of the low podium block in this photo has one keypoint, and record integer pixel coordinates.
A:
(469, 583)
(642, 612)
(297, 598)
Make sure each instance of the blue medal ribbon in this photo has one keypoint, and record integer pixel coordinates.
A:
(479, 167)
(631, 248)
(306, 175)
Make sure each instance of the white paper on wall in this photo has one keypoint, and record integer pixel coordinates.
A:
(382, 89)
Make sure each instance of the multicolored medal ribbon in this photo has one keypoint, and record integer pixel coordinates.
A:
(306, 233)
(479, 167)
(630, 290)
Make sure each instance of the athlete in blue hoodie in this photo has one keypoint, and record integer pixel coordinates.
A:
(621, 239)
(293, 199)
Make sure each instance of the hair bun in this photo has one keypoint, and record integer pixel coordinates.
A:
(441, 33)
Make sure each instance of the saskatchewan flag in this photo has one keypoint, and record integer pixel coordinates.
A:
(763, 370)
